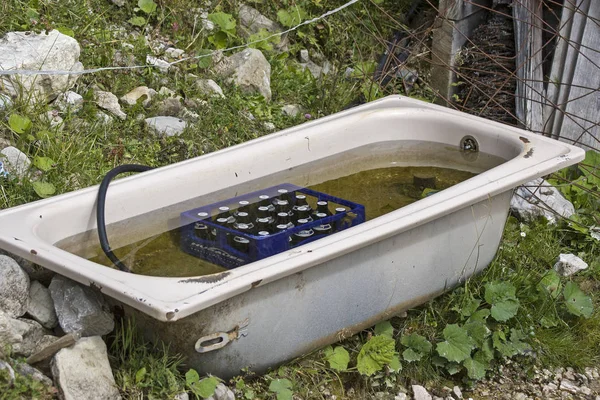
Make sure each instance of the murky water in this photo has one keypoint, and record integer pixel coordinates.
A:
(379, 190)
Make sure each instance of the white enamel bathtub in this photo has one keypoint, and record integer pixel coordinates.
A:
(272, 310)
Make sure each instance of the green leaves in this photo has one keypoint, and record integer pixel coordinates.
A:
(44, 189)
(578, 303)
(457, 346)
(510, 347)
(475, 369)
(18, 123)
(224, 21)
(137, 21)
(140, 375)
(374, 354)
(384, 328)
(147, 6)
(417, 345)
(550, 283)
(337, 358)
(43, 163)
(281, 387)
(501, 296)
(291, 17)
(203, 388)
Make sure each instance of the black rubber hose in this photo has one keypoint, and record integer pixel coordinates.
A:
(100, 221)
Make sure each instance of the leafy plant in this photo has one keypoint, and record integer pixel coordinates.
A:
(375, 354)
(148, 7)
(501, 296)
(292, 16)
(202, 387)
(282, 388)
(224, 29)
(338, 358)
(417, 347)
(457, 345)
(578, 303)
(18, 123)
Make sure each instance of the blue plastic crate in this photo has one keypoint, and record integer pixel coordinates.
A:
(220, 252)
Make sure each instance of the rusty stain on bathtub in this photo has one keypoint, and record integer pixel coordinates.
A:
(255, 283)
(524, 139)
(529, 153)
(206, 279)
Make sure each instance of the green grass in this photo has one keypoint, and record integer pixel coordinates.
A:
(83, 150)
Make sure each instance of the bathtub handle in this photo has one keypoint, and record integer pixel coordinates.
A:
(218, 340)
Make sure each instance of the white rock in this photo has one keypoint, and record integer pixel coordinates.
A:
(209, 88)
(549, 388)
(119, 3)
(21, 334)
(14, 288)
(80, 308)
(457, 392)
(401, 396)
(314, 69)
(110, 103)
(252, 21)
(291, 110)
(15, 161)
(304, 58)
(165, 91)
(520, 396)
(132, 97)
(348, 72)
(269, 126)
(585, 390)
(189, 115)
(222, 392)
(533, 199)
(69, 100)
(104, 118)
(11, 372)
(181, 396)
(44, 51)
(174, 53)
(162, 65)
(51, 117)
(28, 370)
(568, 386)
(248, 69)
(420, 393)
(41, 306)
(165, 126)
(83, 372)
(208, 25)
(569, 264)
(5, 102)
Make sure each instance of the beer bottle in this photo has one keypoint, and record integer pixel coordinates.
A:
(302, 235)
(340, 210)
(245, 220)
(243, 206)
(264, 224)
(303, 213)
(284, 218)
(323, 229)
(225, 212)
(301, 202)
(241, 244)
(202, 231)
(323, 207)
(263, 233)
(283, 194)
(265, 201)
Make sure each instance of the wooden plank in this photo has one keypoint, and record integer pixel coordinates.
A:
(581, 124)
(575, 37)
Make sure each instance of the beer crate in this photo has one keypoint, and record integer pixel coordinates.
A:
(220, 249)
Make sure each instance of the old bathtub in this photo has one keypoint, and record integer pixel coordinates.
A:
(270, 311)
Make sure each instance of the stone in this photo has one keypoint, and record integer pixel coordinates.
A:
(11, 372)
(41, 306)
(22, 335)
(33, 373)
(181, 396)
(457, 392)
(174, 53)
(189, 115)
(252, 21)
(520, 396)
(303, 57)
(121, 59)
(44, 51)
(166, 92)
(291, 110)
(568, 386)
(162, 65)
(538, 198)
(49, 345)
(248, 69)
(401, 396)
(83, 371)
(15, 161)
(222, 392)
(69, 101)
(420, 393)
(209, 87)
(118, 3)
(314, 69)
(269, 126)
(52, 118)
(110, 103)
(207, 25)
(585, 390)
(14, 288)
(5, 102)
(569, 264)
(165, 126)
(80, 308)
(104, 118)
(170, 107)
(133, 96)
